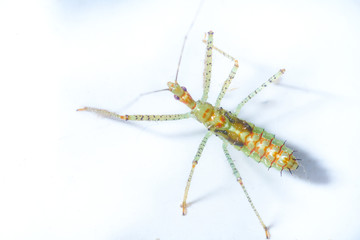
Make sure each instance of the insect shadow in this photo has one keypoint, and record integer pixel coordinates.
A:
(309, 168)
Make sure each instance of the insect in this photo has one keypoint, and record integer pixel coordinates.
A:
(253, 141)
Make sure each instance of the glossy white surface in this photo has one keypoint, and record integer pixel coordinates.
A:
(71, 175)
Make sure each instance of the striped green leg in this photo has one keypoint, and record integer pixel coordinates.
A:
(194, 163)
(207, 67)
(227, 83)
(239, 179)
(116, 116)
(274, 78)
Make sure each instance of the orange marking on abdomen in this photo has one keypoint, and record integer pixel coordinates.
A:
(255, 144)
(288, 160)
(266, 148)
(246, 142)
(274, 161)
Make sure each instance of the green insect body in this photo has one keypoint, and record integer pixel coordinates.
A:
(253, 141)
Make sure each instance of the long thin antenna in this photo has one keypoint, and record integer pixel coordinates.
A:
(141, 95)
(147, 93)
(183, 46)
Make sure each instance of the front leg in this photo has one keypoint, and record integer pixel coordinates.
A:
(112, 115)
(207, 67)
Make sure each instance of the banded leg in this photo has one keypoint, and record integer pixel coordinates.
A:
(207, 67)
(239, 179)
(112, 115)
(227, 83)
(222, 52)
(264, 85)
(194, 163)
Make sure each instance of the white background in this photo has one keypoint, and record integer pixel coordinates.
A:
(74, 175)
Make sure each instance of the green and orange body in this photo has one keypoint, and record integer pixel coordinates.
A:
(253, 141)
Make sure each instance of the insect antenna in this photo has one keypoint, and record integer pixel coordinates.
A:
(147, 93)
(141, 95)
(183, 46)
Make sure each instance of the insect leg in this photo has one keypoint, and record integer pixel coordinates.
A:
(239, 179)
(227, 83)
(194, 163)
(274, 78)
(222, 52)
(207, 66)
(112, 115)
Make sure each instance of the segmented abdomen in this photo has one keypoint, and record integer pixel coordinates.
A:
(255, 142)
(263, 146)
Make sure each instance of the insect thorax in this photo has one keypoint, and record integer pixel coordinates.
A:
(222, 123)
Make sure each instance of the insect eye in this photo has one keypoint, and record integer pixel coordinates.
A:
(184, 88)
(176, 97)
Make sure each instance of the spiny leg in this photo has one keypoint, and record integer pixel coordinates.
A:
(264, 85)
(112, 115)
(227, 83)
(228, 80)
(194, 163)
(207, 67)
(239, 179)
(221, 51)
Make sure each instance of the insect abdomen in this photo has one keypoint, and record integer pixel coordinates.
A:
(255, 142)
(264, 147)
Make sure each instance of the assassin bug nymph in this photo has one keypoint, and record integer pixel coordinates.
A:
(253, 141)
